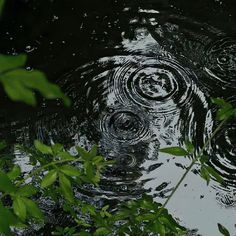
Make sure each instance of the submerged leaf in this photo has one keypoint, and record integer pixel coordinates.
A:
(177, 151)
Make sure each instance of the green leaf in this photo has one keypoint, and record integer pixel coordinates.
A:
(220, 102)
(5, 220)
(49, 178)
(82, 152)
(19, 208)
(65, 156)
(177, 151)
(14, 173)
(88, 209)
(20, 85)
(8, 63)
(213, 173)
(226, 109)
(27, 191)
(70, 170)
(90, 172)
(33, 209)
(165, 221)
(189, 146)
(84, 234)
(1, 5)
(223, 230)
(203, 159)
(3, 143)
(66, 188)
(6, 184)
(42, 147)
(57, 148)
(205, 174)
(93, 151)
(157, 227)
(102, 231)
(224, 113)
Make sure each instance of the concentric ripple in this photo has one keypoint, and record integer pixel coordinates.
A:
(124, 125)
(224, 153)
(158, 84)
(221, 61)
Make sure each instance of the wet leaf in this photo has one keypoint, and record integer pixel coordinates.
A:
(223, 230)
(42, 147)
(49, 178)
(177, 151)
(20, 85)
(66, 188)
(33, 209)
(14, 173)
(19, 208)
(6, 184)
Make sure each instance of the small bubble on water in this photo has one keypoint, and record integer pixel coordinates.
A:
(29, 48)
(54, 18)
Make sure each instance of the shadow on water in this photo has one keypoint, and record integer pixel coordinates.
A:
(140, 75)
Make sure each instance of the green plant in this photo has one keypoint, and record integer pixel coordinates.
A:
(225, 112)
(21, 84)
(56, 176)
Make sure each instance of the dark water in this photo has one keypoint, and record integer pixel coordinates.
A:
(140, 75)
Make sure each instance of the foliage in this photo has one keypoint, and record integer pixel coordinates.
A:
(21, 84)
(57, 173)
(56, 176)
(223, 230)
(1, 5)
(225, 112)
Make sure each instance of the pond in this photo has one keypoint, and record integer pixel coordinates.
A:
(141, 75)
